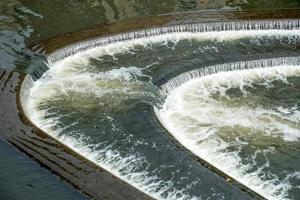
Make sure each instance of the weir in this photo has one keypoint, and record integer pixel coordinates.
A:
(24, 92)
(242, 65)
(289, 24)
(72, 49)
(193, 105)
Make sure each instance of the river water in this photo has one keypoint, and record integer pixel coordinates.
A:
(126, 108)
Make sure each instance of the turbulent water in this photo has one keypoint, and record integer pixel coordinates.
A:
(100, 103)
(245, 123)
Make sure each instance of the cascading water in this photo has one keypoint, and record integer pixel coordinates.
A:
(242, 123)
(243, 65)
(98, 96)
(191, 28)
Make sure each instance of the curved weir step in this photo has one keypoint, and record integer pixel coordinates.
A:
(78, 170)
(51, 154)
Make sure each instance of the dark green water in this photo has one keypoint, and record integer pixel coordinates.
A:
(26, 22)
(100, 103)
(22, 179)
(245, 123)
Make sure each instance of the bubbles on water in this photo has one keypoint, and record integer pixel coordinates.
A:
(212, 116)
(65, 88)
(74, 85)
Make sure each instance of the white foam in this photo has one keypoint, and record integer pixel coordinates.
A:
(289, 24)
(81, 59)
(71, 75)
(59, 82)
(56, 84)
(193, 117)
(241, 65)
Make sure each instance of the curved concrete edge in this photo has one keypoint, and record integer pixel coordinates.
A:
(201, 16)
(69, 50)
(56, 43)
(104, 185)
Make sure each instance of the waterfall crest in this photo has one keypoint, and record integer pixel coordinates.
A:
(241, 65)
(71, 49)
